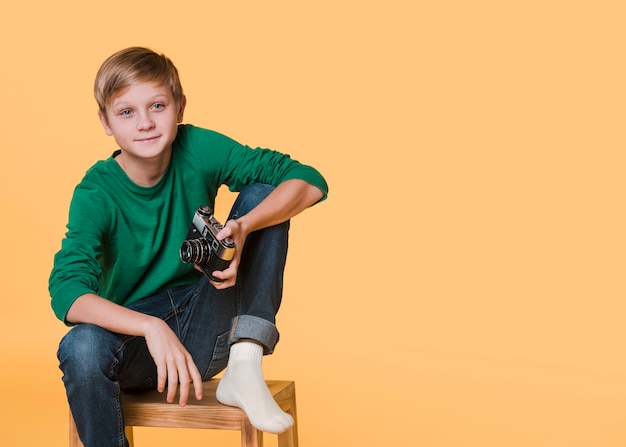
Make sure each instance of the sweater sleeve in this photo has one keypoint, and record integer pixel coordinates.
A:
(77, 268)
(268, 166)
(237, 165)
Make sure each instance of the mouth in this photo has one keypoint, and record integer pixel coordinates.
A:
(147, 139)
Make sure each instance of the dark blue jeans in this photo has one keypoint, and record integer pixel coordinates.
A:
(98, 364)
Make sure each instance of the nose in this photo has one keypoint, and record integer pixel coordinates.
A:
(144, 122)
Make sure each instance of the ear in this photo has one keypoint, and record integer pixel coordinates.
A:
(181, 109)
(105, 123)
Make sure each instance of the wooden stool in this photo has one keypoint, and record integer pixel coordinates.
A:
(149, 409)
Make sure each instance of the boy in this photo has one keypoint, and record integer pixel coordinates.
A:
(142, 318)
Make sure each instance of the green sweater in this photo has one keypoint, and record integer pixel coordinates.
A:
(123, 240)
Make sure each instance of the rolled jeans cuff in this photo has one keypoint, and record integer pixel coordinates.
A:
(255, 328)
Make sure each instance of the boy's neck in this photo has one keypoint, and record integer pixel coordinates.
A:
(144, 172)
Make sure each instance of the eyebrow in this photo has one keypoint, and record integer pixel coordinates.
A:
(158, 97)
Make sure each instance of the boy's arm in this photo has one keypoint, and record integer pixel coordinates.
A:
(174, 363)
(284, 202)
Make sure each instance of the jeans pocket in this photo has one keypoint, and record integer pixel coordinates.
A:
(220, 356)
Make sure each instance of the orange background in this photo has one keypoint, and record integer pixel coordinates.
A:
(464, 283)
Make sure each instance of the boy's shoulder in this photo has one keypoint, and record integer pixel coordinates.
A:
(190, 133)
(101, 167)
(102, 176)
(202, 147)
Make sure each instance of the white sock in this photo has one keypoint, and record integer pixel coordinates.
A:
(243, 386)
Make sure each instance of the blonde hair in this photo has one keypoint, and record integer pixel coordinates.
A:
(132, 65)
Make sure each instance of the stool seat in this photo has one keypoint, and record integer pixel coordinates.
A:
(149, 409)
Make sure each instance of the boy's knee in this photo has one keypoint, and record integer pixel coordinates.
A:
(249, 197)
(86, 349)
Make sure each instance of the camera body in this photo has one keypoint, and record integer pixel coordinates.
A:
(201, 246)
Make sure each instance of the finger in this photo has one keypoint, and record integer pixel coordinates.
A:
(228, 273)
(172, 383)
(222, 276)
(196, 378)
(225, 232)
(183, 379)
(223, 284)
(161, 377)
(218, 274)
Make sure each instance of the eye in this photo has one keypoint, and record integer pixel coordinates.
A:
(126, 112)
(158, 106)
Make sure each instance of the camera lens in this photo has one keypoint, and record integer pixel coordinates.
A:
(195, 251)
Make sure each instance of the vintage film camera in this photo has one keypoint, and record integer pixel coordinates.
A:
(202, 247)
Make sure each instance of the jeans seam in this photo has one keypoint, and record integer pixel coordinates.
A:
(118, 394)
(120, 417)
(174, 312)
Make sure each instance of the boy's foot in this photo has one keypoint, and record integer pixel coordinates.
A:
(243, 386)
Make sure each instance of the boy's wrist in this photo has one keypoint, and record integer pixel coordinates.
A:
(149, 324)
(243, 224)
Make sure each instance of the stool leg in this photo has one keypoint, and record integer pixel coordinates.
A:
(250, 436)
(289, 438)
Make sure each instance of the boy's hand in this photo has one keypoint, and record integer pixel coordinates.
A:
(238, 233)
(174, 363)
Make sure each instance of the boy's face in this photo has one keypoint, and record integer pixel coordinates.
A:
(143, 119)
